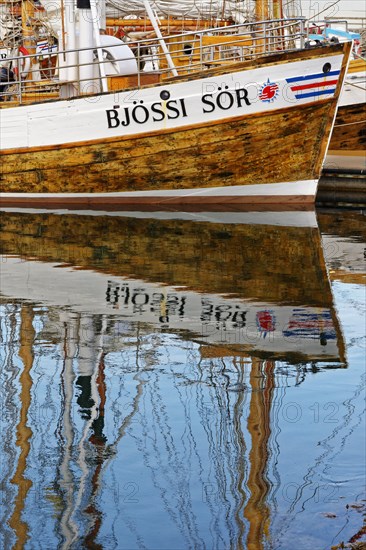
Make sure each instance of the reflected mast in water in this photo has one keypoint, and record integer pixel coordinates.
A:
(23, 430)
(68, 529)
(257, 510)
(83, 356)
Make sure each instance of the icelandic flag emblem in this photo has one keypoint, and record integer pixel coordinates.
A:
(269, 92)
(314, 85)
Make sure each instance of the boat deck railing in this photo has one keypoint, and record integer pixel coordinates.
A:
(51, 75)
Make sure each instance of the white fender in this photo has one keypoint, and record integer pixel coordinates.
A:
(119, 57)
(24, 64)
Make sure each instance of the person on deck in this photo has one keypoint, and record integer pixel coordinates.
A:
(6, 78)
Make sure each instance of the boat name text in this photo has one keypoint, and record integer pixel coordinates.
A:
(175, 108)
(167, 305)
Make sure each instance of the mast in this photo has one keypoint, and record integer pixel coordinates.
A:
(261, 10)
(68, 41)
(268, 9)
(89, 37)
(277, 9)
(87, 83)
(27, 26)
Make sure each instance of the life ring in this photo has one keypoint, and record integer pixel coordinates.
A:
(24, 63)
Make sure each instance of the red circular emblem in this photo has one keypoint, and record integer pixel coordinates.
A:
(269, 92)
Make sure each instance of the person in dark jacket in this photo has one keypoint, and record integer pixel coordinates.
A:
(6, 78)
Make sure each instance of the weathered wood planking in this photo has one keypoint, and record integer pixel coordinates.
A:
(287, 144)
(349, 133)
(269, 147)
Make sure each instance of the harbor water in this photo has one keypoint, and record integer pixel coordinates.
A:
(182, 380)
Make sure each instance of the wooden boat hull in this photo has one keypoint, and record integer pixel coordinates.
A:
(347, 148)
(230, 144)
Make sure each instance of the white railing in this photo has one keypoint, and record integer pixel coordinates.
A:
(190, 51)
(353, 23)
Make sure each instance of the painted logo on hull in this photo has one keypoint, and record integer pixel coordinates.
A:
(269, 92)
(314, 85)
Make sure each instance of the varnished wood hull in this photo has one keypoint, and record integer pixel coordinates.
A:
(230, 154)
(266, 152)
(347, 148)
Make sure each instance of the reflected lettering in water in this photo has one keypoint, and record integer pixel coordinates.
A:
(150, 369)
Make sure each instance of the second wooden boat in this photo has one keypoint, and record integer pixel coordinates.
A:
(347, 152)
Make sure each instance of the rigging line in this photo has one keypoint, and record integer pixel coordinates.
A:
(215, 457)
(335, 538)
(161, 471)
(112, 448)
(277, 405)
(354, 85)
(186, 391)
(325, 9)
(98, 442)
(60, 440)
(351, 124)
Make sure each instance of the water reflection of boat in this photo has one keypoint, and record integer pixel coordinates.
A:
(146, 276)
(95, 384)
